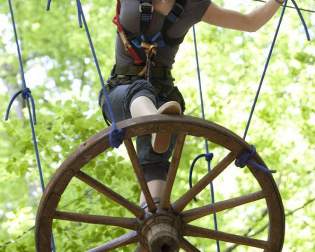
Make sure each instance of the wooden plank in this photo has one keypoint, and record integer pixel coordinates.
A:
(182, 202)
(139, 173)
(129, 223)
(119, 242)
(193, 214)
(222, 236)
(133, 208)
(165, 201)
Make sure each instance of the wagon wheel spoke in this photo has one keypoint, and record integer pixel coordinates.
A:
(129, 223)
(193, 214)
(139, 173)
(222, 236)
(133, 208)
(187, 246)
(182, 202)
(119, 242)
(180, 141)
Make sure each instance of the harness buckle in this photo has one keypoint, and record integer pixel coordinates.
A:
(178, 9)
(146, 8)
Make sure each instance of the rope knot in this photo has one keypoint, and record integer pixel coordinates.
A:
(26, 93)
(209, 156)
(116, 137)
(245, 157)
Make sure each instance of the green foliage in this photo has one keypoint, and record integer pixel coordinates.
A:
(64, 83)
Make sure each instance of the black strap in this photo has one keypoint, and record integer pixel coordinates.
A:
(146, 13)
(171, 18)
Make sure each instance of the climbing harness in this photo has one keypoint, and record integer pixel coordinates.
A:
(26, 94)
(144, 44)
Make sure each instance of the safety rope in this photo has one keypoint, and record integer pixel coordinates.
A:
(116, 134)
(269, 58)
(245, 158)
(26, 94)
(290, 7)
(208, 156)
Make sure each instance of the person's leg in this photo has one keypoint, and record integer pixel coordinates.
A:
(134, 100)
(142, 106)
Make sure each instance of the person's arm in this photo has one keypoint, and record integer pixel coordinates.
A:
(250, 22)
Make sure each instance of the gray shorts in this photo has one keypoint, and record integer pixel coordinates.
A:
(155, 165)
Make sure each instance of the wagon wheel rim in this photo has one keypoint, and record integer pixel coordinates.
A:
(182, 126)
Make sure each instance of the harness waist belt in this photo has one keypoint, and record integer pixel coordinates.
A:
(132, 70)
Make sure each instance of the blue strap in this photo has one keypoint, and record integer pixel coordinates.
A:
(27, 96)
(247, 158)
(155, 39)
(116, 135)
(269, 57)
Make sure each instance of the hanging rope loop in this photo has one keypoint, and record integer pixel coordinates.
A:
(246, 158)
(27, 96)
(207, 156)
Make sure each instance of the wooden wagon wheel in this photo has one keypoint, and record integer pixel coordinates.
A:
(170, 222)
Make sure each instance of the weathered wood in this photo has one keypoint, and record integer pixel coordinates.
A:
(182, 202)
(119, 242)
(139, 173)
(193, 214)
(129, 223)
(165, 201)
(222, 236)
(133, 208)
(187, 246)
(99, 143)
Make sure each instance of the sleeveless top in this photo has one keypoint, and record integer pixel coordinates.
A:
(129, 18)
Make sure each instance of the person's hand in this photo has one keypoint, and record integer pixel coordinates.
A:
(280, 1)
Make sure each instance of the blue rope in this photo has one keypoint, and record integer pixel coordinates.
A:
(206, 142)
(269, 58)
(207, 156)
(116, 135)
(308, 37)
(48, 5)
(26, 94)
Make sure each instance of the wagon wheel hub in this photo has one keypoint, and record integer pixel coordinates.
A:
(161, 232)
